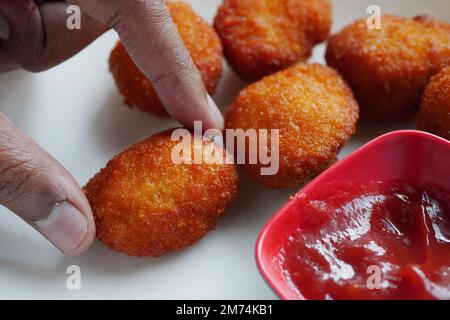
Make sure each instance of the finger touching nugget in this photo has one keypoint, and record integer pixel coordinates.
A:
(434, 114)
(314, 111)
(388, 68)
(145, 204)
(261, 37)
(202, 43)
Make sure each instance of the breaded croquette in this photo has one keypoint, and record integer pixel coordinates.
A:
(202, 43)
(261, 37)
(389, 68)
(314, 111)
(434, 114)
(145, 204)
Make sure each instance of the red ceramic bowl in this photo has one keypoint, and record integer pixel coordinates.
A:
(413, 156)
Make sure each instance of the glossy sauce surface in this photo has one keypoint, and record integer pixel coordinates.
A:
(387, 240)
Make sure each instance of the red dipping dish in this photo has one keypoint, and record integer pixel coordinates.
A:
(407, 172)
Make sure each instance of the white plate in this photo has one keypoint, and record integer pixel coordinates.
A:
(75, 112)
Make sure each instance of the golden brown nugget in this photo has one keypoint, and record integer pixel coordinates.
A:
(146, 205)
(388, 69)
(314, 111)
(434, 114)
(261, 37)
(202, 43)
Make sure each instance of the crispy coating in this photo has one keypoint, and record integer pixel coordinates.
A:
(388, 69)
(202, 43)
(145, 205)
(261, 37)
(315, 112)
(434, 114)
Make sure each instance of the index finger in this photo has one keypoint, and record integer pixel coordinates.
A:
(152, 40)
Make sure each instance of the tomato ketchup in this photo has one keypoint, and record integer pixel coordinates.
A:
(379, 240)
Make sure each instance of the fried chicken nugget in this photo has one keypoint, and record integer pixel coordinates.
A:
(202, 43)
(434, 114)
(388, 69)
(146, 205)
(314, 111)
(261, 37)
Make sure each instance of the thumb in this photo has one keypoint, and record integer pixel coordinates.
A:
(40, 191)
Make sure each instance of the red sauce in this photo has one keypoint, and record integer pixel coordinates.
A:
(373, 241)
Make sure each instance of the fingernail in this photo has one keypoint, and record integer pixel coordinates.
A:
(4, 28)
(66, 227)
(216, 114)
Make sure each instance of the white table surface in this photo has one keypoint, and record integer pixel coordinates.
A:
(75, 112)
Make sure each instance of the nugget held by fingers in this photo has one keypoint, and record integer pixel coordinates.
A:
(147, 204)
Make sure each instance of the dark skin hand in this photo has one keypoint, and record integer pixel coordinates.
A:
(35, 37)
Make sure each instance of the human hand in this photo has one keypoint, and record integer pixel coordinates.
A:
(32, 183)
